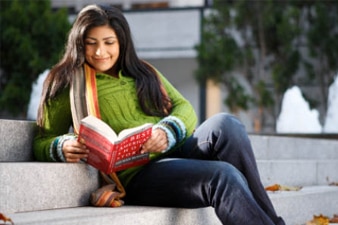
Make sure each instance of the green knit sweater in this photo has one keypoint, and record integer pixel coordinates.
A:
(119, 108)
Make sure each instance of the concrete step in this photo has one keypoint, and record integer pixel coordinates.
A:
(296, 148)
(40, 186)
(29, 186)
(33, 186)
(298, 172)
(296, 207)
(17, 136)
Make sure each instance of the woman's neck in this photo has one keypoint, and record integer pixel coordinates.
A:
(112, 72)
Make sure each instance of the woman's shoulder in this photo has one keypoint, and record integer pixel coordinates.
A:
(61, 96)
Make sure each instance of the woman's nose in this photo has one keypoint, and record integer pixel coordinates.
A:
(98, 51)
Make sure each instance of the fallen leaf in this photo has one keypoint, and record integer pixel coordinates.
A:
(318, 220)
(334, 219)
(5, 219)
(278, 187)
(274, 187)
(331, 183)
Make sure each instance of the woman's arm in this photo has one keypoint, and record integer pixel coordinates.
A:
(182, 120)
(57, 122)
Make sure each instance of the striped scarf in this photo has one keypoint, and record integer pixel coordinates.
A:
(84, 102)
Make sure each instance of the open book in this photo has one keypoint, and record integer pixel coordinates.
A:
(110, 152)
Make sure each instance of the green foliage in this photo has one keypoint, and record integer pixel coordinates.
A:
(238, 98)
(322, 37)
(218, 52)
(265, 96)
(271, 34)
(284, 70)
(32, 38)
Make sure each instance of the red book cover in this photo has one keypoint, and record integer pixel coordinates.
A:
(110, 152)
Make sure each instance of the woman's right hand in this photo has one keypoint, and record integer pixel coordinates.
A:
(156, 143)
(74, 151)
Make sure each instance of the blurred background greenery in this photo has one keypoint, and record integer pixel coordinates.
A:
(269, 42)
(32, 38)
(274, 45)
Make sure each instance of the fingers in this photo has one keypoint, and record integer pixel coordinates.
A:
(74, 151)
(156, 143)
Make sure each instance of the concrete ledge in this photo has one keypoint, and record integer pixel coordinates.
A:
(295, 148)
(39, 186)
(17, 137)
(16, 140)
(129, 215)
(33, 186)
(298, 172)
(295, 207)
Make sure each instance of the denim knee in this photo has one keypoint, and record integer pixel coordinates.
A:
(226, 181)
(226, 121)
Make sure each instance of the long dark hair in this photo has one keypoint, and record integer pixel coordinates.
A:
(152, 97)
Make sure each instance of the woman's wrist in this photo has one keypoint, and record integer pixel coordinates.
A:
(55, 151)
(174, 128)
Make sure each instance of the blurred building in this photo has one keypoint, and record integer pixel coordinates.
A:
(76, 5)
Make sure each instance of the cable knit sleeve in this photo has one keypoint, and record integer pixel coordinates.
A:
(58, 120)
(182, 120)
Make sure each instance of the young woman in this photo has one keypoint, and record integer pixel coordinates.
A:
(100, 74)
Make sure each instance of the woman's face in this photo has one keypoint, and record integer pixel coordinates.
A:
(102, 49)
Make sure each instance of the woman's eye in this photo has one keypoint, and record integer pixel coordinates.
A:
(90, 43)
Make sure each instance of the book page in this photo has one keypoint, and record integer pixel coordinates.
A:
(128, 132)
(100, 127)
(105, 130)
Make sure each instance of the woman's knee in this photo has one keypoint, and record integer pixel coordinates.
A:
(227, 120)
(228, 125)
(225, 175)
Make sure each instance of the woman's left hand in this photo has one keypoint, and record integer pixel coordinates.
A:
(156, 143)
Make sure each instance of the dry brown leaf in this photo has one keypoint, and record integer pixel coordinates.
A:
(5, 219)
(331, 183)
(278, 187)
(334, 219)
(274, 187)
(318, 220)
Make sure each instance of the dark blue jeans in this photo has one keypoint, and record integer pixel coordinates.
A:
(215, 167)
